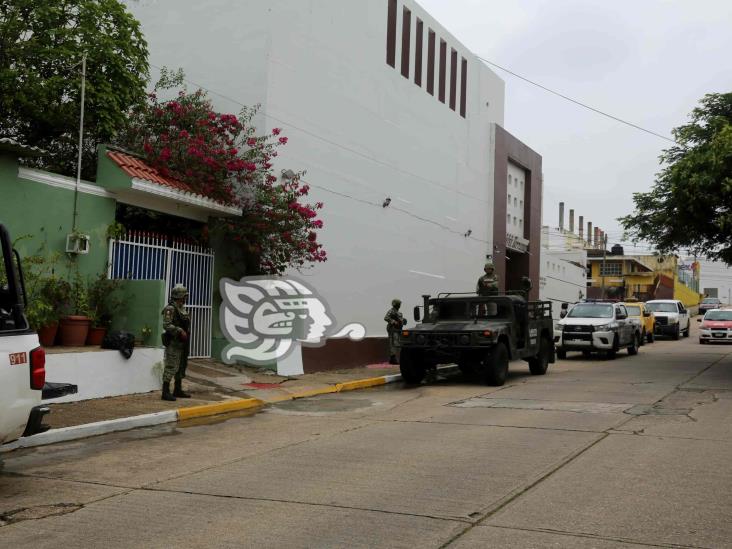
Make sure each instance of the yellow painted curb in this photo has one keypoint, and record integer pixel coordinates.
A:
(218, 408)
(361, 384)
(316, 392)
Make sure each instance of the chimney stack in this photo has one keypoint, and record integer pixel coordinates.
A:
(589, 233)
(571, 221)
(581, 227)
(561, 217)
(596, 236)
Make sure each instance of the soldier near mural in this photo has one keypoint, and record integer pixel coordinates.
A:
(488, 283)
(176, 326)
(394, 323)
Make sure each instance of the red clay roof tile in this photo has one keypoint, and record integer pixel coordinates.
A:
(134, 167)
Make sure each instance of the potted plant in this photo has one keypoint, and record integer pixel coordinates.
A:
(44, 305)
(74, 327)
(104, 302)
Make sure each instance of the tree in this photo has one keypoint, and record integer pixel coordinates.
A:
(220, 156)
(690, 204)
(41, 47)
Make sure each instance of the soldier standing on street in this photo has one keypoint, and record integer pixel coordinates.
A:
(176, 326)
(488, 283)
(394, 323)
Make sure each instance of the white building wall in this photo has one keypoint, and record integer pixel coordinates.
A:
(563, 269)
(715, 274)
(361, 130)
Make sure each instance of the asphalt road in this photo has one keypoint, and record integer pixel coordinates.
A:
(626, 453)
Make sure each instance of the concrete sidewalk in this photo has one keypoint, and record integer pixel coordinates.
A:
(215, 388)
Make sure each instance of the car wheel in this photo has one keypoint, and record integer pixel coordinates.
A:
(702, 342)
(539, 364)
(561, 354)
(612, 353)
(633, 347)
(688, 329)
(495, 369)
(587, 354)
(650, 337)
(413, 371)
(642, 339)
(677, 333)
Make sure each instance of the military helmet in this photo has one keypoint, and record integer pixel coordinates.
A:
(179, 292)
(396, 302)
(489, 265)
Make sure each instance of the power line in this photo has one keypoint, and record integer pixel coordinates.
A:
(580, 103)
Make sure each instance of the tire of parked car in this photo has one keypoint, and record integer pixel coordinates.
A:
(642, 339)
(633, 347)
(650, 337)
(677, 333)
(495, 369)
(686, 332)
(410, 366)
(538, 365)
(561, 354)
(612, 353)
(703, 342)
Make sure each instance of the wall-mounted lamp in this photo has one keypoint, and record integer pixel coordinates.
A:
(387, 201)
(288, 175)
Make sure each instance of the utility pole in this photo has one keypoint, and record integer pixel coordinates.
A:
(81, 140)
(604, 258)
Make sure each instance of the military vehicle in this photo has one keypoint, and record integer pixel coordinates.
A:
(479, 333)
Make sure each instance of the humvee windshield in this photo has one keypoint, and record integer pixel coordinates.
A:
(463, 310)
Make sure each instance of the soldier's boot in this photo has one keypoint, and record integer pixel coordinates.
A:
(393, 359)
(167, 395)
(178, 392)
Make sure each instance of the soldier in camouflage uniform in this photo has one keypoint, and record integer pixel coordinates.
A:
(488, 283)
(176, 325)
(394, 322)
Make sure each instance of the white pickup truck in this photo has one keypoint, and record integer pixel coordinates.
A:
(23, 386)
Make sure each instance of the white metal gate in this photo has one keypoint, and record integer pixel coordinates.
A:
(148, 256)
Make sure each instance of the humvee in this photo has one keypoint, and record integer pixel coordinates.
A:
(479, 333)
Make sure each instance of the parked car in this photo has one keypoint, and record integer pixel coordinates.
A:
(645, 320)
(709, 303)
(23, 385)
(672, 318)
(715, 326)
(597, 326)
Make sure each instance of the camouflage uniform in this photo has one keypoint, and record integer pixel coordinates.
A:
(488, 283)
(394, 322)
(176, 326)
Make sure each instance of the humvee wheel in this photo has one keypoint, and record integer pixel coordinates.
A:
(561, 354)
(409, 365)
(495, 368)
(539, 364)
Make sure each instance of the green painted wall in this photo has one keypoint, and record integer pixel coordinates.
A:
(145, 300)
(46, 214)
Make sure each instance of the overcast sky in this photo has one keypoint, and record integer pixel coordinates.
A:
(646, 61)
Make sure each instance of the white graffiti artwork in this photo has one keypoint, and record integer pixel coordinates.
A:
(263, 317)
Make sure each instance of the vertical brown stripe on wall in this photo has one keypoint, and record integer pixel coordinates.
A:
(443, 71)
(418, 53)
(431, 62)
(406, 40)
(453, 78)
(391, 27)
(463, 87)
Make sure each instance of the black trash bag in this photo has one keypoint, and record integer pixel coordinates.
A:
(124, 342)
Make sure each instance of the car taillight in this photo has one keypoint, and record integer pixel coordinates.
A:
(37, 368)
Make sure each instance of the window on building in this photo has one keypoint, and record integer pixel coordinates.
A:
(443, 71)
(509, 180)
(522, 184)
(514, 221)
(521, 223)
(463, 88)
(453, 78)
(521, 204)
(508, 219)
(611, 268)
(391, 28)
(406, 40)
(509, 199)
(431, 62)
(418, 53)
(515, 202)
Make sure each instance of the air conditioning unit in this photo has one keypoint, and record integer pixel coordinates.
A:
(77, 243)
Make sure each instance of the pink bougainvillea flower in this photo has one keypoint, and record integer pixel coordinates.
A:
(276, 131)
(283, 140)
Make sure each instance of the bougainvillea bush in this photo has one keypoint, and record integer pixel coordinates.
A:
(221, 156)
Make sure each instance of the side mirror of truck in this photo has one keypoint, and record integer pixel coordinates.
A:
(417, 316)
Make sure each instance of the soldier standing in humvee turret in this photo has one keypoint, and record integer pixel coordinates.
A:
(176, 326)
(488, 283)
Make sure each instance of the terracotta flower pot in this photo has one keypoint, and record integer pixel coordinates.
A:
(73, 330)
(96, 335)
(47, 334)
